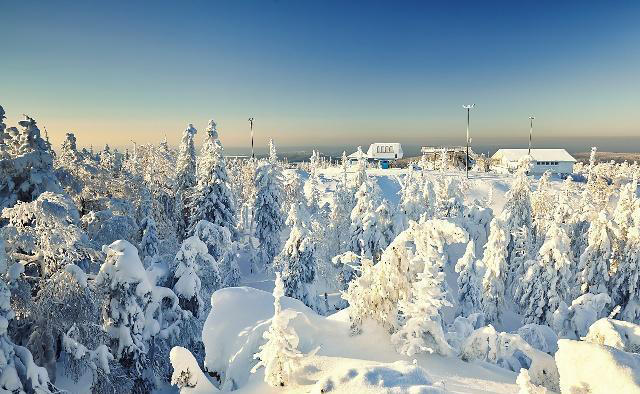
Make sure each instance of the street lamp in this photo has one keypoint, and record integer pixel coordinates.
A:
(466, 164)
(253, 156)
(531, 118)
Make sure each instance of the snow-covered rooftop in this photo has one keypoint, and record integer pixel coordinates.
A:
(536, 154)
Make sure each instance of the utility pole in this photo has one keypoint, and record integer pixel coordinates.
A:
(253, 156)
(468, 107)
(531, 118)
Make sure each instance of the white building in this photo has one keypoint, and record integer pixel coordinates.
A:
(558, 161)
(385, 151)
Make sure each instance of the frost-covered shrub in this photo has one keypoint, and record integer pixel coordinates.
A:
(574, 321)
(106, 227)
(512, 352)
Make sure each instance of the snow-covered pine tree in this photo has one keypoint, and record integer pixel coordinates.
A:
(542, 204)
(19, 373)
(185, 176)
(268, 215)
(195, 277)
(212, 199)
(388, 224)
(297, 259)
(412, 203)
(449, 200)
(625, 284)
(595, 262)
(27, 170)
(361, 170)
(547, 281)
(516, 214)
(422, 329)
(69, 152)
(340, 218)
(469, 282)
(149, 244)
(279, 355)
(365, 234)
(135, 311)
(495, 277)
(273, 155)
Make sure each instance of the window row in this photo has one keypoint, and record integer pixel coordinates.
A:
(384, 149)
(547, 163)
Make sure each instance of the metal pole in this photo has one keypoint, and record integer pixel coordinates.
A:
(531, 118)
(466, 164)
(468, 108)
(253, 156)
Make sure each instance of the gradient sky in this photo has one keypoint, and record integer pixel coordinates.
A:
(325, 73)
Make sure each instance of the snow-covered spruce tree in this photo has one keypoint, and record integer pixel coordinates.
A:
(212, 199)
(449, 200)
(340, 218)
(422, 329)
(185, 177)
(469, 282)
(388, 224)
(412, 203)
(135, 313)
(430, 198)
(297, 259)
(69, 153)
(4, 136)
(495, 276)
(223, 250)
(515, 216)
(365, 234)
(268, 215)
(63, 327)
(361, 170)
(149, 244)
(279, 355)
(312, 191)
(19, 372)
(27, 170)
(542, 204)
(195, 277)
(625, 289)
(573, 321)
(46, 235)
(547, 281)
(595, 262)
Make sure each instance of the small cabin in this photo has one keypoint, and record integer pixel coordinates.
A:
(557, 161)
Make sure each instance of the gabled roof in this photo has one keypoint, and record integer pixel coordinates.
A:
(536, 154)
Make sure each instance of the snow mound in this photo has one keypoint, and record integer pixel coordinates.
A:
(512, 352)
(398, 378)
(541, 337)
(187, 374)
(602, 369)
(618, 334)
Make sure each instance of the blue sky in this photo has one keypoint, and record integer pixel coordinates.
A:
(326, 73)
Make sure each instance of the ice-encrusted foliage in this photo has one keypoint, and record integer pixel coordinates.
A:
(469, 282)
(494, 280)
